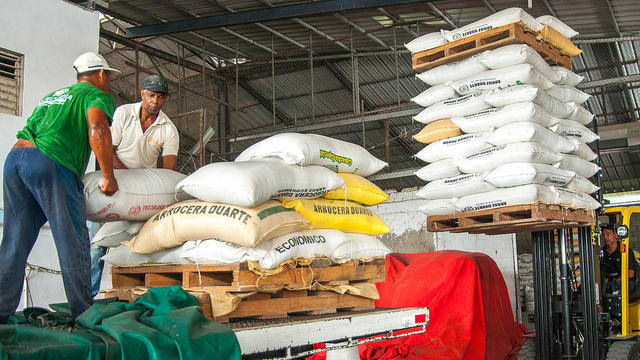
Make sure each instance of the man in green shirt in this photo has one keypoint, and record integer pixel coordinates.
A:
(43, 182)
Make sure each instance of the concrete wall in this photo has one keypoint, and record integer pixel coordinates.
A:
(409, 235)
(50, 34)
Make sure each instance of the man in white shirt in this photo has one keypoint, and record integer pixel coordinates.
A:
(140, 132)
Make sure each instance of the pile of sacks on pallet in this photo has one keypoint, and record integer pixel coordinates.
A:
(287, 197)
(548, 27)
(503, 127)
(525, 277)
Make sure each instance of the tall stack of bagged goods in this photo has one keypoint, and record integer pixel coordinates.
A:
(247, 209)
(503, 126)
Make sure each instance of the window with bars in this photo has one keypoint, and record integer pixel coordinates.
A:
(11, 74)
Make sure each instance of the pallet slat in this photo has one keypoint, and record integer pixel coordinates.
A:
(237, 277)
(488, 40)
(513, 219)
(315, 302)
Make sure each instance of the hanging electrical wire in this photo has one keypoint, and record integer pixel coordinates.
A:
(404, 133)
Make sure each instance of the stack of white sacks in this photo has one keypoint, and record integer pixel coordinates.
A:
(267, 206)
(525, 277)
(503, 127)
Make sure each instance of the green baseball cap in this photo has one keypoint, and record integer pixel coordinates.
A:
(155, 83)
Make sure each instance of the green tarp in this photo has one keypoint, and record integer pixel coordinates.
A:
(165, 323)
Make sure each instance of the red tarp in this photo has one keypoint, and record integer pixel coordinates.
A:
(469, 306)
(470, 311)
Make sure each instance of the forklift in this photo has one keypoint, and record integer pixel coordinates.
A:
(577, 316)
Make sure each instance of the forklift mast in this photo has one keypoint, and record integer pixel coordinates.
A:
(571, 321)
(568, 317)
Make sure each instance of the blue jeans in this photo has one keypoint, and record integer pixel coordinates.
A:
(616, 286)
(97, 264)
(37, 190)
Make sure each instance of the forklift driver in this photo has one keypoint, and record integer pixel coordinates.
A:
(611, 260)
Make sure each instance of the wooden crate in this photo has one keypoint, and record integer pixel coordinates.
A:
(513, 219)
(487, 40)
(238, 277)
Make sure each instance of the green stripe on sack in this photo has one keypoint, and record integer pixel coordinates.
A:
(272, 211)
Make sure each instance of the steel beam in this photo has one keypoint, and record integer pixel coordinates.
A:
(360, 29)
(261, 15)
(155, 52)
(621, 80)
(331, 124)
(489, 6)
(551, 11)
(396, 20)
(444, 16)
(613, 17)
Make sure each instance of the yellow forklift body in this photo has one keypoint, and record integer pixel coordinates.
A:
(630, 312)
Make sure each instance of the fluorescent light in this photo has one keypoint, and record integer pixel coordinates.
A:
(205, 139)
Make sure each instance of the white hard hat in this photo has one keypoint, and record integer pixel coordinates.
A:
(90, 62)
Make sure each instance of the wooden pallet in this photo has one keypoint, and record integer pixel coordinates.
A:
(285, 303)
(238, 277)
(487, 40)
(513, 219)
(269, 300)
(262, 305)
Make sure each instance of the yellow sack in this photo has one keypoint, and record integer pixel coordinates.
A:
(437, 130)
(201, 220)
(557, 40)
(359, 190)
(339, 214)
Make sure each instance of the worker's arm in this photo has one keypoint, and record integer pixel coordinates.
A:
(100, 141)
(170, 147)
(170, 162)
(115, 160)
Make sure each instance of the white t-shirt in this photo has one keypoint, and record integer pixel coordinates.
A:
(138, 150)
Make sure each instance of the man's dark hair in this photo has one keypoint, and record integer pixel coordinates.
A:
(608, 227)
(86, 74)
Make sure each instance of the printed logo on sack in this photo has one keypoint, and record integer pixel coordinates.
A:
(135, 210)
(335, 158)
(468, 208)
(457, 37)
(113, 216)
(104, 209)
(464, 88)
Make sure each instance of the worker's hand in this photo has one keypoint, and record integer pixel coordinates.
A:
(109, 185)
